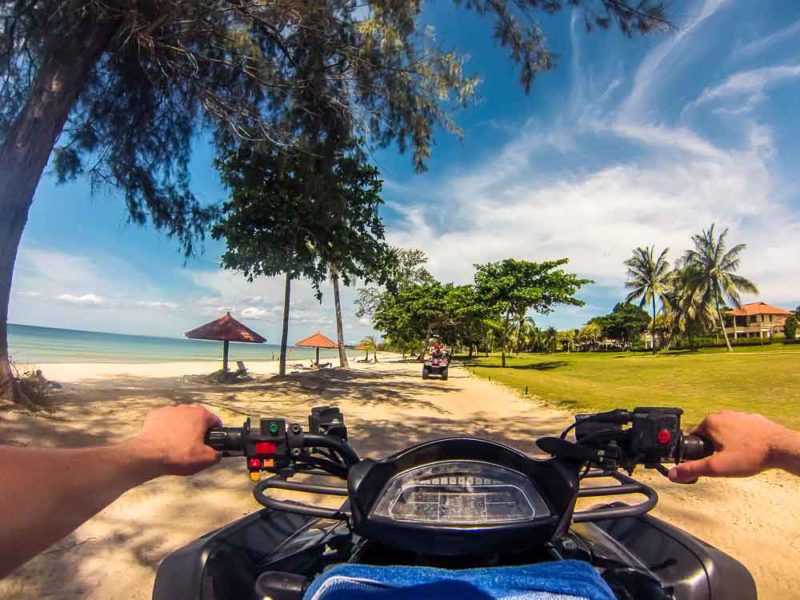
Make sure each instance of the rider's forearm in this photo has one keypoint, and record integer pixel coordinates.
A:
(785, 451)
(46, 493)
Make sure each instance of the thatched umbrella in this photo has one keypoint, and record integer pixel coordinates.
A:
(226, 329)
(317, 341)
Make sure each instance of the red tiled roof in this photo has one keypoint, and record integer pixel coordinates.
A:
(758, 308)
(317, 341)
(226, 328)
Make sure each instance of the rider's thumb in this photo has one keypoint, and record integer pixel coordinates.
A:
(688, 472)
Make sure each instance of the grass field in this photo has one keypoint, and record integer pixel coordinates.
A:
(754, 379)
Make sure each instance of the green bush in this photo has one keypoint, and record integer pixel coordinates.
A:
(790, 328)
(710, 342)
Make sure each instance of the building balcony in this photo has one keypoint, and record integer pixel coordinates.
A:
(754, 329)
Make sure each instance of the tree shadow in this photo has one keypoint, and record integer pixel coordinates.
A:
(537, 366)
(125, 543)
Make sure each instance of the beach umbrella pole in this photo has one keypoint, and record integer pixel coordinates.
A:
(225, 356)
(317, 355)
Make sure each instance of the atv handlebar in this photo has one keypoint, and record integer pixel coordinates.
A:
(605, 445)
(227, 440)
(695, 447)
(654, 437)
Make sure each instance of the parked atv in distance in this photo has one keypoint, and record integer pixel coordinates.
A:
(455, 503)
(438, 364)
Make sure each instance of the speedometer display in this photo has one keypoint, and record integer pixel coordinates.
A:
(461, 493)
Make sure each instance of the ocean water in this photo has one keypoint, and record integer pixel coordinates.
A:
(40, 345)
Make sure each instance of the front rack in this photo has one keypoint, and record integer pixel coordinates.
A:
(280, 483)
(627, 486)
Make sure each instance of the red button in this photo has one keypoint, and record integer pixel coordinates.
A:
(254, 464)
(664, 436)
(265, 448)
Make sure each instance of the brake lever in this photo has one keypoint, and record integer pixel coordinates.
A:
(607, 457)
(659, 467)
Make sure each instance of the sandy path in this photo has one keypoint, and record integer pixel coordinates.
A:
(387, 407)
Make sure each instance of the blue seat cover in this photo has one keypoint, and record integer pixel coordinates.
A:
(563, 580)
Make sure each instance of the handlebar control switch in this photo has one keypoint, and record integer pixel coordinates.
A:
(655, 434)
(327, 420)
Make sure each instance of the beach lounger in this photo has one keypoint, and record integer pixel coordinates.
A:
(242, 369)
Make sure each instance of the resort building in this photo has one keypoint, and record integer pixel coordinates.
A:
(757, 319)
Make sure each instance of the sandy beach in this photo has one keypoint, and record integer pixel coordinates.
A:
(387, 407)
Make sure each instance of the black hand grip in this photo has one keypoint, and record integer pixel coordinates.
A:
(227, 440)
(694, 447)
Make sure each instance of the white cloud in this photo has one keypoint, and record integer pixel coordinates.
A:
(255, 312)
(759, 45)
(157, 304)
(654, 71)
(85, 299)
(670, 185)
(746, 88)
(262, 300)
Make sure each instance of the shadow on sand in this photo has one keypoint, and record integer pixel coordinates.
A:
(546, 365)
(169, 512)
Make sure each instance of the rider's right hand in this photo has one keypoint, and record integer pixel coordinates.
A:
(171, 441)
(744, 444)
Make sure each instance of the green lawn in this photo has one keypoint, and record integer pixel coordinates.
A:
(764, 380)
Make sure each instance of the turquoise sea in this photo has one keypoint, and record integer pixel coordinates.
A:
(39, 345)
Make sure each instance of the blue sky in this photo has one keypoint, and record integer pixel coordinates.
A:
(627, 143)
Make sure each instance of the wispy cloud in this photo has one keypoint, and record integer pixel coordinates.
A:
(625, 175)
(768, 42)
(747, 88)
(261, 300)
(654, 72)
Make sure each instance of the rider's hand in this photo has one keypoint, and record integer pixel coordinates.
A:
(744, 444)
(171, 441)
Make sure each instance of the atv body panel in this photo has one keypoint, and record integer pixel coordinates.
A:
(642, 558)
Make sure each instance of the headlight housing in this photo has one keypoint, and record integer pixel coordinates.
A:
(460, 492)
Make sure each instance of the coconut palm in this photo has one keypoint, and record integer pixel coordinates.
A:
(590, 334)
(712, 273)
(648, 280)
(369, 344)
(684, 306)
(526, 333)
(550, 339)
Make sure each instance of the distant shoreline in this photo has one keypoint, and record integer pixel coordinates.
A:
(71, 372)
(35, 345)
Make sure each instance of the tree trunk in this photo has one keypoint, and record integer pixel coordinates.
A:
(25, 152)
(505, 342)
(339, 330)
(285, 332)
(653, 328)
(722, 324)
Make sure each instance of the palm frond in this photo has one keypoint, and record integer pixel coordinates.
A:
(743, 285)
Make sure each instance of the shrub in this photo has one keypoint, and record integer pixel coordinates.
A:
(790, 328)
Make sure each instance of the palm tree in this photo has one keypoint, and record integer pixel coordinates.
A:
(648, 279)
(685, 309)
(550, 339)
(369, 344)
(712, 271)
(590, 334)
(527, 333)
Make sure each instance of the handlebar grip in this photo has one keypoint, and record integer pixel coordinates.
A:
(694, 447)
(227, 440)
